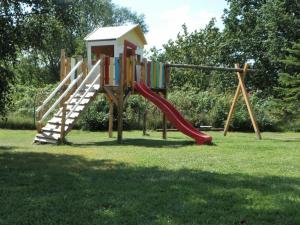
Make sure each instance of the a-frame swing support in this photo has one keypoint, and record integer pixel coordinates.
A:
(241, 88)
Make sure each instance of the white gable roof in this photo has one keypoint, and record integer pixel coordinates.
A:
(112, 33)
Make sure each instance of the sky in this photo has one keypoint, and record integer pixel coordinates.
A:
(165, 17)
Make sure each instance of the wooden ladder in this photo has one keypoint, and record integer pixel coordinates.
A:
(73, 101)
(52, 132)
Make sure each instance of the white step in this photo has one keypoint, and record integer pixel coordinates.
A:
(53, 128)
(45, 140)
(76, 100)
(74, 115)
(57, 120)
(79, 108)
(48, 135)
(88, 95)
(96, 86)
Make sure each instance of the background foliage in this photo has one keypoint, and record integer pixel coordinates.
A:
(264, 34)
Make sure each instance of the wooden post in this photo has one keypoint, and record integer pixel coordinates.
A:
(247, 100)
(111, 118)
(68, 69)
(234, 102)
(242, 88)
(62, 64)
(102, 75)
(63, 123)
(143, 76)
(145, 121)
(133, 63)
(39, 126)
(164, 121)
(166, 85)
(120, 100)
(79, 70)
(84, 69)
(63, 69)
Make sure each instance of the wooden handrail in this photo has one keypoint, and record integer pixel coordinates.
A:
(58, 87)
(85, 80)
(83, 96)
(60, 98)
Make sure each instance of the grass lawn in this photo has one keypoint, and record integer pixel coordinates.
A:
(238, 180)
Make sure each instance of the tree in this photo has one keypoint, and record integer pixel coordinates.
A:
(288, 97)
(38, 29)
(260, 31)
(198, 47)
(14, 37)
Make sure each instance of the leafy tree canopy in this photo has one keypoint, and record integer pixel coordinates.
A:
(35, 30)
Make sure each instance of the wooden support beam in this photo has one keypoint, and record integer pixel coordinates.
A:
(145, 122)
(242, 89)
(62, 64)
(111, 119)
(247, 101)
(111, 95)
(164, 121)
(68, 69)
(79, 70)
(202, 67)
(39, 126)
(120, 100)
(63, 123)
(166, 85)
(102, 75)
(126, 97)
(84, 70)
(234, 102)
(63, 68)
(133, 63)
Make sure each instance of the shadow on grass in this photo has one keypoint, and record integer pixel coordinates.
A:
(297, 140)
(40, 188)
(7, 148)
(148, 143)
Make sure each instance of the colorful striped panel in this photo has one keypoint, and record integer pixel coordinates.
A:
(117, 72)
(145, 71)
(106, 70)
(128, 71)
(157, 75)
(167, 75)
(138, 73)
(149, 74)
(154, 75)
(111, 71)
(163, 81)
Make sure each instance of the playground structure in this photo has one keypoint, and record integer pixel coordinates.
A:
(115, 67)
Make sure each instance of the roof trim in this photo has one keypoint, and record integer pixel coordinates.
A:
(135, 27)
(114, 39)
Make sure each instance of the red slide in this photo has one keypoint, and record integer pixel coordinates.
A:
(173, 115)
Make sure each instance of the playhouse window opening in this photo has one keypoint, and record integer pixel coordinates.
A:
(97, 51)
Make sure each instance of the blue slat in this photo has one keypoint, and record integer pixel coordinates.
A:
(117, 72)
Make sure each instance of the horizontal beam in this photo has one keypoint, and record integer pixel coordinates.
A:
(201, 67)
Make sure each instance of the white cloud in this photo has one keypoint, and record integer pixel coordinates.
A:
(169, 23)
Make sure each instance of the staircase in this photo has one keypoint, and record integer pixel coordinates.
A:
(73, 101)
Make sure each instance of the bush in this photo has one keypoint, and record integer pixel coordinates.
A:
(199, 107)
(25, 101)
(15, 121)
(96, 115)
(263, 110)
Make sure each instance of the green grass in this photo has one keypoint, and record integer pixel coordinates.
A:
(94, 180)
